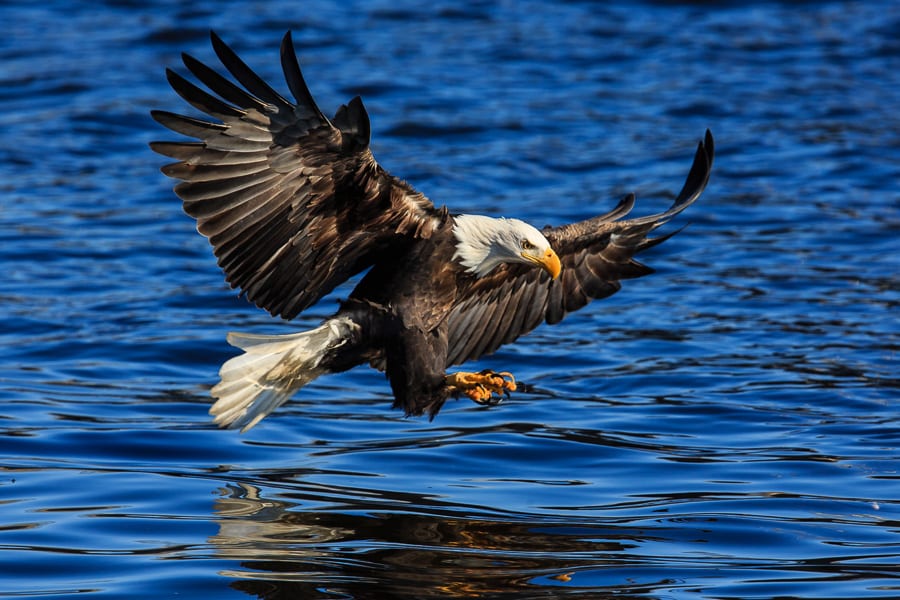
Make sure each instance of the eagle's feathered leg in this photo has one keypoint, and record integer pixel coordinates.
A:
(481, 387)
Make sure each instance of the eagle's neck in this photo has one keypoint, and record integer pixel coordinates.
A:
(476, 246)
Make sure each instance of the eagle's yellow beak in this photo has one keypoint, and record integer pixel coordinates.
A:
(549, 261)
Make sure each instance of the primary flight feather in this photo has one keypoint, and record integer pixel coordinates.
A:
(294, 204)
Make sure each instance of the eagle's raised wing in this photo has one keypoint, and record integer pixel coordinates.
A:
(595, 254)
(292, 203)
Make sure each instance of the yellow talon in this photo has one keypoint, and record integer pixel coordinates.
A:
(480, 387)
(507, 381)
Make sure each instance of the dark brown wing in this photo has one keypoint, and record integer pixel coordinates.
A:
(292, 203)
(596, 254)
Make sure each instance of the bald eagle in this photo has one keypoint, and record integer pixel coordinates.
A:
(294, 204)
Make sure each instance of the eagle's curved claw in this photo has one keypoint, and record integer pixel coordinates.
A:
(481, 387)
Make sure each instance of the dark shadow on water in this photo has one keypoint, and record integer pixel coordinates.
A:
(434, 551)
(310, 540)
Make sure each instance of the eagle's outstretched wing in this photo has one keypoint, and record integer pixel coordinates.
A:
(292, 203)
(595, 254)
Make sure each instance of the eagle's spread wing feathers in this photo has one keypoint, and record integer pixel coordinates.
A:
(292, 203)
(596, 254)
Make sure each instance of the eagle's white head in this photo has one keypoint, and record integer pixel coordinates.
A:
(483, 243)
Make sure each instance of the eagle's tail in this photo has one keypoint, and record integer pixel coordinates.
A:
(271, 369)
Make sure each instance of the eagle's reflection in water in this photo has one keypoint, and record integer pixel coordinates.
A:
(298, 546)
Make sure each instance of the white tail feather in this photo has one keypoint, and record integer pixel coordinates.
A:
(271, 370)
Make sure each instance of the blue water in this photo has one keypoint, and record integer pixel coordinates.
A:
(725, 428)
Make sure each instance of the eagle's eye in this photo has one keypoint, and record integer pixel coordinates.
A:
(526, 245)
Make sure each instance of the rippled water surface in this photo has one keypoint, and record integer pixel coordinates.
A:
(725, 428)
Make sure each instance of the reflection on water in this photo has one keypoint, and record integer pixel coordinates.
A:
(408, 546)
(410, 553)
